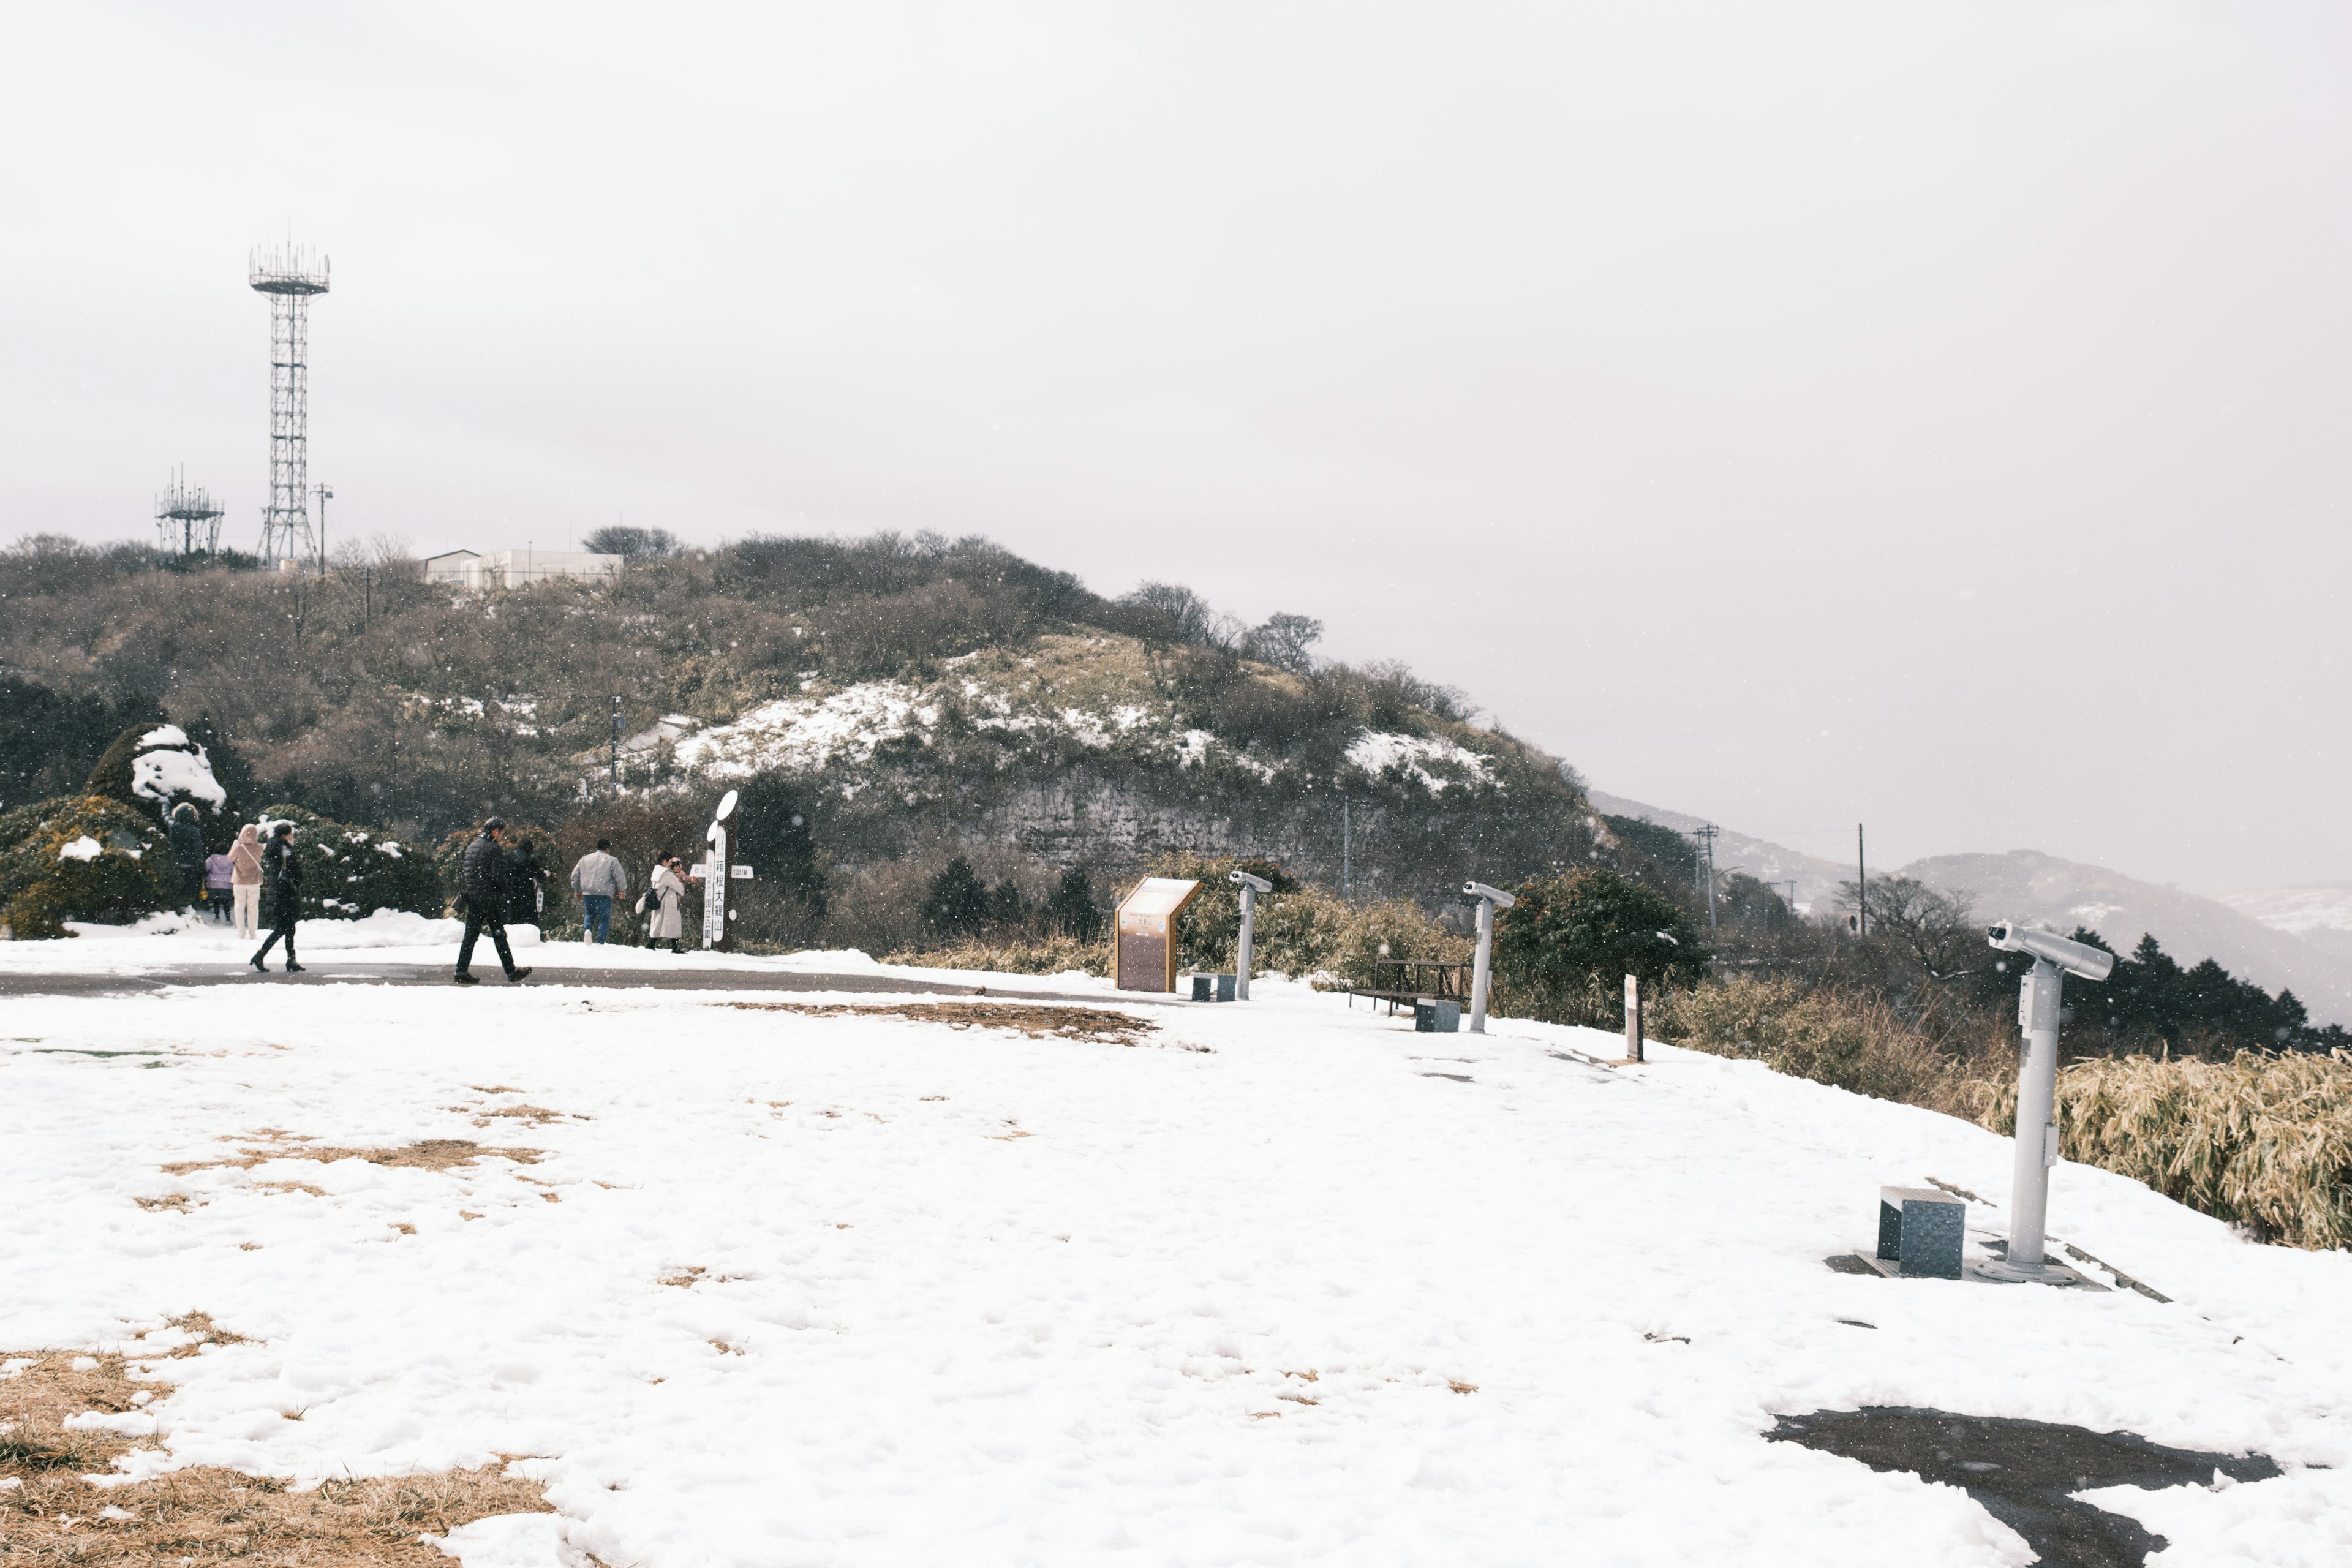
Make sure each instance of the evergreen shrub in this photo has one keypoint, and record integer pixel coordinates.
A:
(82, 858)
(349, 873)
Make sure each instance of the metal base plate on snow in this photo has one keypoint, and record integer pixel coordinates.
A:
(1985, 1269)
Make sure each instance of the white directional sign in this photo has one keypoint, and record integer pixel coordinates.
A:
(714, 888)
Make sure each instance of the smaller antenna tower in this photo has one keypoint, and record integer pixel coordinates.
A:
(289, 274)
(187, 519)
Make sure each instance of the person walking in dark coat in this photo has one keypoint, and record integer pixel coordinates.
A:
(488, 882)
(281, 892)
(527, 882)
(188, 848)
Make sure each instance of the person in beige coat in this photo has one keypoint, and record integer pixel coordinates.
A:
(663, 921)
(244, 878)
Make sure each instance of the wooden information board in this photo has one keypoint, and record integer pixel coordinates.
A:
(1145, 949)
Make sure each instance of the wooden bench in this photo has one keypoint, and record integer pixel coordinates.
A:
(1401, 982)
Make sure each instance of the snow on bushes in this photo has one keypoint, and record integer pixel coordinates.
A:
(154, 767)
(349, 873)
(81, 857)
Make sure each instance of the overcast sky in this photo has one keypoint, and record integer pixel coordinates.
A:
(1795, 413)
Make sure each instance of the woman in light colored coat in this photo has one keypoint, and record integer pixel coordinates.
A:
(244, 878)
(663, 921)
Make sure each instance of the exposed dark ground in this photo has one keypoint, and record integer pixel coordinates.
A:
(2024, 1472)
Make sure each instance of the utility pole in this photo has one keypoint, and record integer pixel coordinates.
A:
(1791, 886)
(1860, 886)
(1703, 865)
(616, 746)
(1347, 853)
(324, 495)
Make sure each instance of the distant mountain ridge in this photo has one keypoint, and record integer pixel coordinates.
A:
(2299, 939)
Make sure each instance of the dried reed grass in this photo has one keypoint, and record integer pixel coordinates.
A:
(1852, 1040)
(2262, 1140)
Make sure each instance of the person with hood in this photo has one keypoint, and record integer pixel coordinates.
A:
(244, 880)
(281, 872)
(220, 877)
(486, 882)
(188, 848)
(527, 882)
(663, 921)
(596, 881)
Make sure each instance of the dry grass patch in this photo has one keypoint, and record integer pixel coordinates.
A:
(2262, 1140)
(202, 1516)
(1038, 1020)
(176, 1203)
(425, 1154)
(537, 1115)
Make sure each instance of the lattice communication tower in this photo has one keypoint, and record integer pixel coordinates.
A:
(289, 274)
(188, 520)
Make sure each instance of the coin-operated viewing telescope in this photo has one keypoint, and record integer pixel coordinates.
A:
(1250, 888)
(2055, 957)
(1488, 900)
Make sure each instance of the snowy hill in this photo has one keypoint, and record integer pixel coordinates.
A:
(2060, 893)
(2321, 914)
(1092, 748)
(1774, 865)
(1280, 1283)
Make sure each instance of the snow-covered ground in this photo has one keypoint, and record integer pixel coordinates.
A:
(1316, 1289)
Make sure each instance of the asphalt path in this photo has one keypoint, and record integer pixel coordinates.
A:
(684, 978)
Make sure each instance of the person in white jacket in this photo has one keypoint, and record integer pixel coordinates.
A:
(663, 921)
(596, 881)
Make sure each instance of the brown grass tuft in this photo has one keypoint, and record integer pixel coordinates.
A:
(1038, 1020)
(426, 1154)
(537, 1115)
(202, 1516)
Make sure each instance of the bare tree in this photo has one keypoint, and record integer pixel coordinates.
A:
(1284, 641)
(1935, 928)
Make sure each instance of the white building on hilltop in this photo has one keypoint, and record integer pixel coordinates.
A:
(513, 568)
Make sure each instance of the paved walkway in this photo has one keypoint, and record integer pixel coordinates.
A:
(325, 972)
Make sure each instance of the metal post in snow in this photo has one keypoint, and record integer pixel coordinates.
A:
(1250, 888)
(2037, 1074)
(1489, 900)
(1632, 1017)
(2037, 1098)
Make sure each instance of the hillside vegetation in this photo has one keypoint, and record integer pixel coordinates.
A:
(921, 697)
